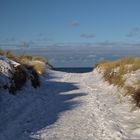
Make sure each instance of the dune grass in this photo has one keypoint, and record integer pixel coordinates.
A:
(114, 72)
(39, 67)
(38, 63)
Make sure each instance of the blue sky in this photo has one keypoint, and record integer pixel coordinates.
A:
(70, 21)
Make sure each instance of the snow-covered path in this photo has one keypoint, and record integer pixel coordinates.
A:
(68, 106)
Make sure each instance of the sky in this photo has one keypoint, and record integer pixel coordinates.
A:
(53, 22)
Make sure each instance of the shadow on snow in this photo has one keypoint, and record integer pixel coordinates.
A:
(25, 114)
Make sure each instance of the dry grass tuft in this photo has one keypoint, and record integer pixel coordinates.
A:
(39, 67)
(27, 59)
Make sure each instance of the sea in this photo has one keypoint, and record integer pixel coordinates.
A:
(80, 60)
(75, 69)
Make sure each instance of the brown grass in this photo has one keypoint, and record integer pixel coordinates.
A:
(27, 59)
(39, 68)
(115, 70)
(130, 90)
(136, 97)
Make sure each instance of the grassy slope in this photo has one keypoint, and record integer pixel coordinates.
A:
(115, 71)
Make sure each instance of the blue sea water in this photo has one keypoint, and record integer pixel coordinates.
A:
(80, 59)
(75, 69)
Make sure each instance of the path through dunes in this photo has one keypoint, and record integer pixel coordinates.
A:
(68, 106)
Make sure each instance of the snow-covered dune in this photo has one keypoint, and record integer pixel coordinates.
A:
(13, 75)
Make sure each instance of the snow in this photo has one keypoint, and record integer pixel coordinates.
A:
(132, 78)
(7, 66)
(6, 70)
(69, 106)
